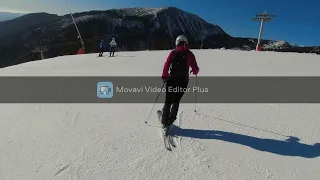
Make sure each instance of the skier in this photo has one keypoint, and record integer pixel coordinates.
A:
(179, 61)
(113, 45)
(101, 48)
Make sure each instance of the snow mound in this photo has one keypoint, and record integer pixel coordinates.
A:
(111, 141)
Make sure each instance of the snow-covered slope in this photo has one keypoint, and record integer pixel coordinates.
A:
(277, 45)
(139, 11)
(175, 20)
(111, 141)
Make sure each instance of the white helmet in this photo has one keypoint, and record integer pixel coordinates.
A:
(181, 38)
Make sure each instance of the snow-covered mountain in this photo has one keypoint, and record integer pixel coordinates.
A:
(277, 45)
(134, 29)
(171, 20)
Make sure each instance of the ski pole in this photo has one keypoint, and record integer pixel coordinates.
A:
(155, 103)
(195, 99)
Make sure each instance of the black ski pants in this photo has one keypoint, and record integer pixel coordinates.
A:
(112, 50)
(174, 94)
(101, 52)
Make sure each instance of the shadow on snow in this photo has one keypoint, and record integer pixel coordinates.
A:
(289, 147)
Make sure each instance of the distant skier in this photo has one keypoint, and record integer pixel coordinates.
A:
(113, 45)
(179, 61)
(101, 48)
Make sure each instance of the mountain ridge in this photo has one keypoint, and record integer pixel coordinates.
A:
(5, 16)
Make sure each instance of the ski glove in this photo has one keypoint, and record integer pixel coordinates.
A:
(192, 72)
(165, 78)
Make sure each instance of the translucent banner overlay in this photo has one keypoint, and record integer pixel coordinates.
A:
(146, 90)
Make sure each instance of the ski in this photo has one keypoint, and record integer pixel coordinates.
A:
(171, 141)
(164, 137)
(168, 139)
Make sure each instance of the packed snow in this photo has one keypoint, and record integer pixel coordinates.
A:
(111, 141)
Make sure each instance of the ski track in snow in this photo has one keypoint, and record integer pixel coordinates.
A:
(111, 141)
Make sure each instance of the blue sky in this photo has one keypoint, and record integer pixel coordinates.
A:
(296, 21)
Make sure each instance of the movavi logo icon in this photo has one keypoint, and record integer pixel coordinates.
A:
(105, 90)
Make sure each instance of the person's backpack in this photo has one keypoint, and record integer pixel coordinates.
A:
(179, 66)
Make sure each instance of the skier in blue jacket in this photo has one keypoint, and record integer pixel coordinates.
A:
(101, 48)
